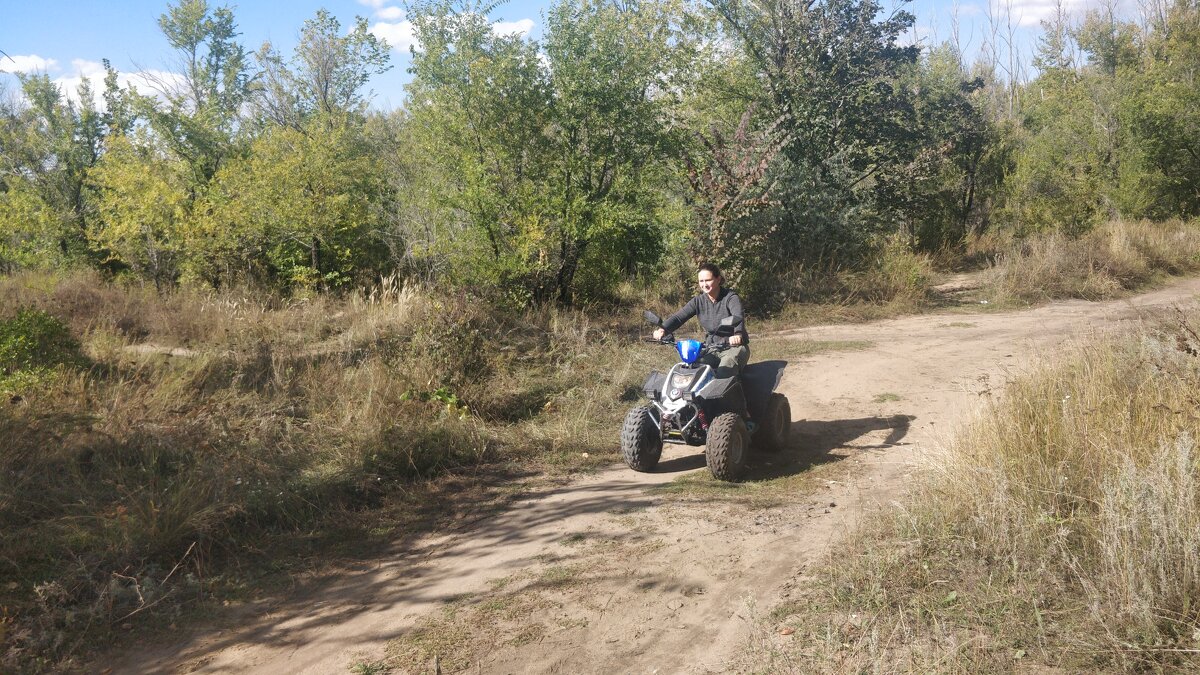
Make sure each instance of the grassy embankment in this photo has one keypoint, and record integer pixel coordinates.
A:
(1061, 529)
(280, 433)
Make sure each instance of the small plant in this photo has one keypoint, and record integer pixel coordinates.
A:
(442, 395)
(370, 668)
(31, 344)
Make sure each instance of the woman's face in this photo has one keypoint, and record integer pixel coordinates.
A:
(709, 284)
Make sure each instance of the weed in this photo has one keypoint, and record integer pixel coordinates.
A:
(280, 418)
(370, 668)
(885, 397)
(1061, 529)
(1106, 262)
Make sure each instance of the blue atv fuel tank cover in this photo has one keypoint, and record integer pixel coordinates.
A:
(689, 350)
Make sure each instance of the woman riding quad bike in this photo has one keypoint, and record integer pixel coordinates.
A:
(690, 404)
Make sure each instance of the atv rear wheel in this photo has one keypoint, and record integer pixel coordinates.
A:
(776, 426)
(728, 446)
(641, 441)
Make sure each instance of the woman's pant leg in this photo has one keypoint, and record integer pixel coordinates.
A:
(732, 361)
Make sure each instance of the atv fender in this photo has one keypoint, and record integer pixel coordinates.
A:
(654, 384)
(758, 381)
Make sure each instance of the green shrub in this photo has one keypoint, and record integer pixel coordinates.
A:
(31, 344)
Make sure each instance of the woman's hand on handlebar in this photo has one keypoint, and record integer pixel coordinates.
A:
(735, 340)
(659, 333)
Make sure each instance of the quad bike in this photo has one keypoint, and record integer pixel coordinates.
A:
(690, 405)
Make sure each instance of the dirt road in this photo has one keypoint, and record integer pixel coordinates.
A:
(622, 572)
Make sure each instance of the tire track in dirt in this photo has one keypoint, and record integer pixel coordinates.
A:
(613, 573)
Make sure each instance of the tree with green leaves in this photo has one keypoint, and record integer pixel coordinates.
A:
(833, 72)
(48, 143)
(327, 74)
(305, 208)
(142, 206)
(1163, 114)
(542, 162)
(204, 106)
(616, 72)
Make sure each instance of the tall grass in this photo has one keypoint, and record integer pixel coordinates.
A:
(1104, 263)
(207, 430)
(1063, 526)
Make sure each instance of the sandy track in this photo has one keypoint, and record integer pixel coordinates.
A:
(657, 584)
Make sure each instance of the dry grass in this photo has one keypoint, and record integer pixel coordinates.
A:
(893, 282)
(1062, 530)
(1105, 263)
(143, 479)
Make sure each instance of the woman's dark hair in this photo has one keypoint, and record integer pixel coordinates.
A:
(711, 269)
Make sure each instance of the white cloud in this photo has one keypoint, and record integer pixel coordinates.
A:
(521, 27)
(1030, 13)
(390, 13)
(399, 36)
(384, 9)
(30, 63)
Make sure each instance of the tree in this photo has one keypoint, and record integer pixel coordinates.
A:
(963, 155)
(326, 75)
(832, 70)
(615, 70)
(736, 209)
(1164, 115)
(478, 104)
(48, 145)
(303, 208)
(142, 204)
(542, 162)
(203, 108)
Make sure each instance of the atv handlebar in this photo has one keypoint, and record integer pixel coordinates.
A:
(670, 341)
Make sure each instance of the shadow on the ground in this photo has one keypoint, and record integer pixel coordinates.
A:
(812, 442)
(410, 578)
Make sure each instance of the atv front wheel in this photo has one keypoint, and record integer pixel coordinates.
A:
(641, 441)
(774, 430)
(728, 442)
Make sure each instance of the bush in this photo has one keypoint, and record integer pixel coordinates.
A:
(32, 343)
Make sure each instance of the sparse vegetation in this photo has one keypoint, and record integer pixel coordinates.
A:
(1107, 262)
(132, 479)
(1060, 530)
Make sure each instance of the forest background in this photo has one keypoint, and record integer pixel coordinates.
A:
(763, 137)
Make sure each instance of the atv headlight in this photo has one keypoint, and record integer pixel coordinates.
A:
(682, 381)
(679, 384)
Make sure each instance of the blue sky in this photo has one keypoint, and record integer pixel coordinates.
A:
(67, 40)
